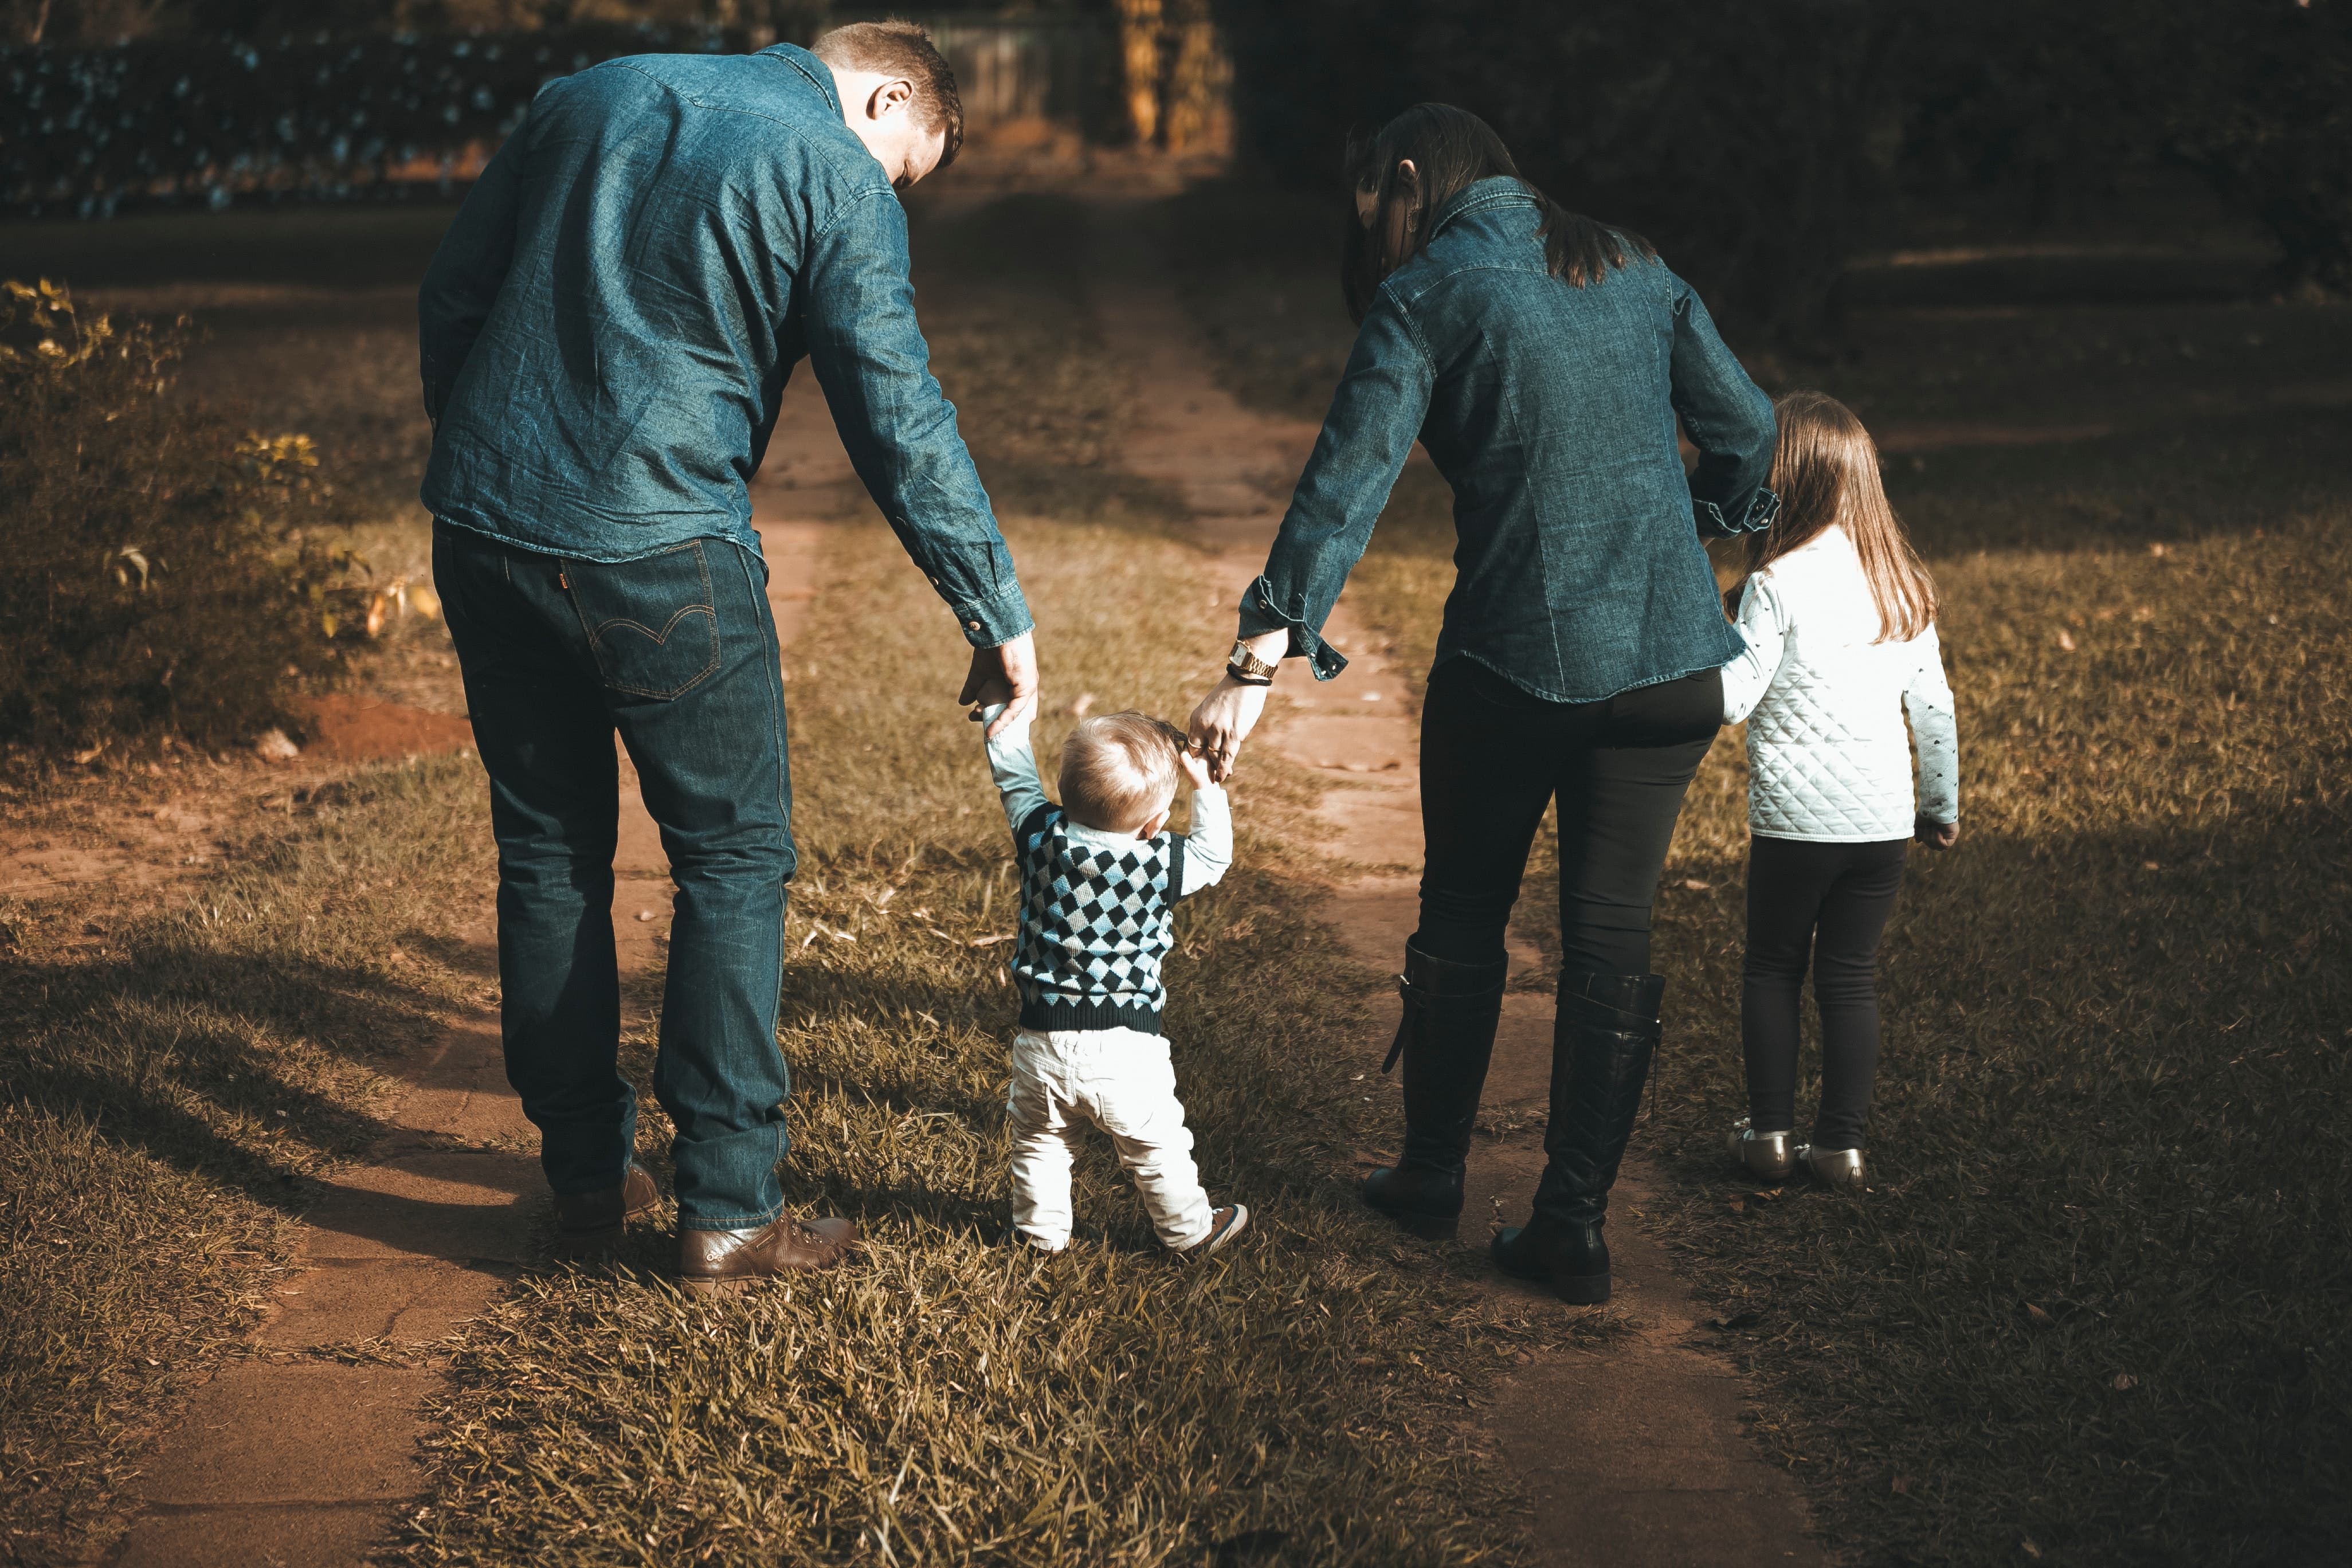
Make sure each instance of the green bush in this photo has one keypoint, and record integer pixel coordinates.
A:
(169, 573)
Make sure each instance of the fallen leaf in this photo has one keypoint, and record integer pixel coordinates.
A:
(1739, 1208)
(2036, 1313)
(1902, 1485)
(2066, 641)
(2027, 1542)
(2124, 1381)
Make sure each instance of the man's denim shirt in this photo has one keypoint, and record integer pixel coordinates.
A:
(1550, 410)
(608, 326)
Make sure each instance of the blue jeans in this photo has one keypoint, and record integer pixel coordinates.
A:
(677, 651)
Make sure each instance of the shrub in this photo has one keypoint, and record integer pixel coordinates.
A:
(166, 571)
(201, 121)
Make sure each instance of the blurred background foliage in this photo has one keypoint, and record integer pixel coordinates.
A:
(1764, 144)
(170, 573)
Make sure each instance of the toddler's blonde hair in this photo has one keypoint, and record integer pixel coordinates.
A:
(1119, 770)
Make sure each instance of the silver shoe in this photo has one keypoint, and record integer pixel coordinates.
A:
(1837, 1167)
(1762, 1155)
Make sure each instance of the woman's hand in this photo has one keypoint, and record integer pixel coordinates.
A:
(1223, 722)
(1936, 834)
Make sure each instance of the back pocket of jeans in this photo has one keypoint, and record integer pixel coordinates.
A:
(651, 622)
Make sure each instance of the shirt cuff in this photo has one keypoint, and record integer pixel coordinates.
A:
(993, 622)
(1757, 516)
(1261, 615)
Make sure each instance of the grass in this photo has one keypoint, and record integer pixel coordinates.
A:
(2092, 1309)
(955, 1399)
(182, 1066)
(958, 1399)
(2093, 1304)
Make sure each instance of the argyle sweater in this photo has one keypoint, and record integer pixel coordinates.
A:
(1098, 909)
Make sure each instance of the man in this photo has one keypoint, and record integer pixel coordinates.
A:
(605, 333)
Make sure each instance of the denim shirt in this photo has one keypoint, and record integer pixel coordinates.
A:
(1550, 409)
(608, 325)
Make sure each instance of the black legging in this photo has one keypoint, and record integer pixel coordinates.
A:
(1828, 902)
(1492, 758)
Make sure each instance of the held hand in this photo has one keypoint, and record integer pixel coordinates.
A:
(1223, 722)
(1936, 834)
(1006, 674)
(1195, 768)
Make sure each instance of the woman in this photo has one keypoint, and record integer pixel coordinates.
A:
(1542, 360)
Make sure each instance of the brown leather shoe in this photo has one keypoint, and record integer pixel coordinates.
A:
(711, 1260)
(586, 1221)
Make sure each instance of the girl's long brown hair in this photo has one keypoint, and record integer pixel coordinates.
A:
(1825, 470)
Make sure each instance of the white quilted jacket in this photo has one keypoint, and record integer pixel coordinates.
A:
(1828, 759)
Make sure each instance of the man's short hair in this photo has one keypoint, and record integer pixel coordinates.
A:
(903, 50)
(1119, 770)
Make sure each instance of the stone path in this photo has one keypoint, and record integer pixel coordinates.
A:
(1627, 1456)
(300, 1453)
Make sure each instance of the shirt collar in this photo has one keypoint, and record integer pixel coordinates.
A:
(1099, 838)
(1496, 191)
(809, 65)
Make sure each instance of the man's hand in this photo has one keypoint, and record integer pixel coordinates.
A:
(1936, 834)
(1223, 722)
(1006, 673)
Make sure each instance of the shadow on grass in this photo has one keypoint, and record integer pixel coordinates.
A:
(170, 1047)
(2108, 1174)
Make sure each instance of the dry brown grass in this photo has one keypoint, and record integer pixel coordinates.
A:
(2092, 1309)
(956, 1399)
(184, 1059)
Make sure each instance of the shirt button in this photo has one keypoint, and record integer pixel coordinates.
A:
(971, 625)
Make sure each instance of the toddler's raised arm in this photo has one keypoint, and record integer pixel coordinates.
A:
(1209, 846)
(1013, 763)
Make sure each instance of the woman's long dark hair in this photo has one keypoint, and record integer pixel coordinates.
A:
(1452, 148)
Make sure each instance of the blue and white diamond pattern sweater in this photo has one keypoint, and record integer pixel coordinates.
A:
(1098, 907)
(1828, 758)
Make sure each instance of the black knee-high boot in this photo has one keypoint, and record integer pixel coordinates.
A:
(1446, 1039)
(1603, 1041)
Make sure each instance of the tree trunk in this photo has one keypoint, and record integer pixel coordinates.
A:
(1200, 116)
(1139, 38)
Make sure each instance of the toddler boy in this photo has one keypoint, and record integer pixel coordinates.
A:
(1100, 876)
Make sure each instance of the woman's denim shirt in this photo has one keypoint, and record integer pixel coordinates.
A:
(608, 326)
(1550, 410)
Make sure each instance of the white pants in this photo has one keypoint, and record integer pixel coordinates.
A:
(1122, 1081)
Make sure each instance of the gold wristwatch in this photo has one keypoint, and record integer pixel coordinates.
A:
(1247, 668)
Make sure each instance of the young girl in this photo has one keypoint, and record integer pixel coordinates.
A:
(1839, 621)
